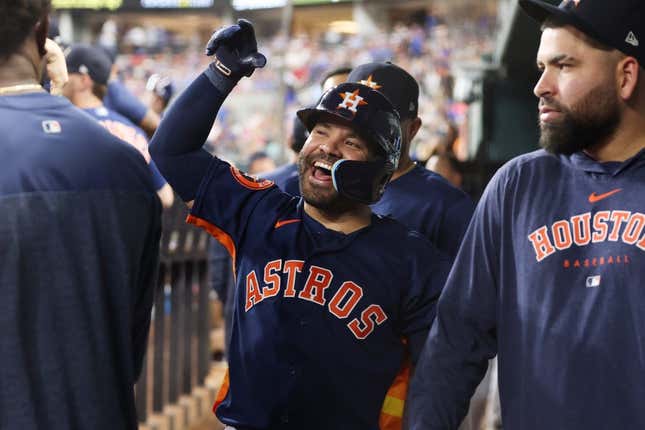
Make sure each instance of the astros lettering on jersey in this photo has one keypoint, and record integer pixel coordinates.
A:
(320, 317)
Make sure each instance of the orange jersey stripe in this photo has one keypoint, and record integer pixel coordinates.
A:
(222, 237)
(222, 392)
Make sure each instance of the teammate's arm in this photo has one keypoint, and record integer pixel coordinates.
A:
(177, 145)
(120, 99)
(464, 334)
(150, 122)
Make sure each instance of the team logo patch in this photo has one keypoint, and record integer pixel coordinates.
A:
(370, 83)
(595, 198)
(351, 101)
(51, 127)
(593, 281)
(632, 39)
(249, 181)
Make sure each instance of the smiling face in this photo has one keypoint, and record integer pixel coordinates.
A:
(579, 103)
(329, 141)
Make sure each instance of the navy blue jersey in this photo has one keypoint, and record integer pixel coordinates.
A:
(319, 316)
(551, 278)
(119, 99)
(286, 178)
(424, 201)
(79, 228)
(125, 130)
(421, 200)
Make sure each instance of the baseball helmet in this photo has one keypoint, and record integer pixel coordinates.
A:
(374, 118)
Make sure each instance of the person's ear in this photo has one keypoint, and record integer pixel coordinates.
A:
(414, 127)
(628, 77)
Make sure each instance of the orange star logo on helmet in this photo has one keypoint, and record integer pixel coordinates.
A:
(370, 83)
(351, 101)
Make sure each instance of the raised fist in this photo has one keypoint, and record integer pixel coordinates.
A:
(235, 50)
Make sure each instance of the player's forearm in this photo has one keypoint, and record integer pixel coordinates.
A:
(452, 364)
(177, 145)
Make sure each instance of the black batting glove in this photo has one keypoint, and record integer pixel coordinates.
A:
(235, 54)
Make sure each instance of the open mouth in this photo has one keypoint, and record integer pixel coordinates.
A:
(322, 171)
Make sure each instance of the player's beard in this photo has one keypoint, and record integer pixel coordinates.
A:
(325, 199)
(590, 121)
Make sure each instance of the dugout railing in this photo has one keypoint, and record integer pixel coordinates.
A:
(179, 355)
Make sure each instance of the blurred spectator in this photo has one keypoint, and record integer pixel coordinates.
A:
(335, 77)
(89, 70)
(260, 162)
(427, 52)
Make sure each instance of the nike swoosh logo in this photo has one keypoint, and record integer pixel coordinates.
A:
(284, 222)
(593, 198)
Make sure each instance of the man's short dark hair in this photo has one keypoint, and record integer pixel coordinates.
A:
(343, 70)
(17, 20)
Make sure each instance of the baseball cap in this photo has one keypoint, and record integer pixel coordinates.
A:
(400, 88)
(617, 23)
(88, 60)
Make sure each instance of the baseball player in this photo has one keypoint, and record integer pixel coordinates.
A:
(417, 197)
(321, 305)
(286, 177)
(89, 69)
(79, 235)
(335, 77)
(551, 272)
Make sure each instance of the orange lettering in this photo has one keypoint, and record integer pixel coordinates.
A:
(318, 281)
(618, 217)
(271, 278)
(370, 317)
(253, 295)
(541, 243)
(347, 289)
(291, 268)
(634, 229)
(581, 229)
(562, 235)
(600, 226)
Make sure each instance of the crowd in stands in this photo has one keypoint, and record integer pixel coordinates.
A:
(249, 123)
